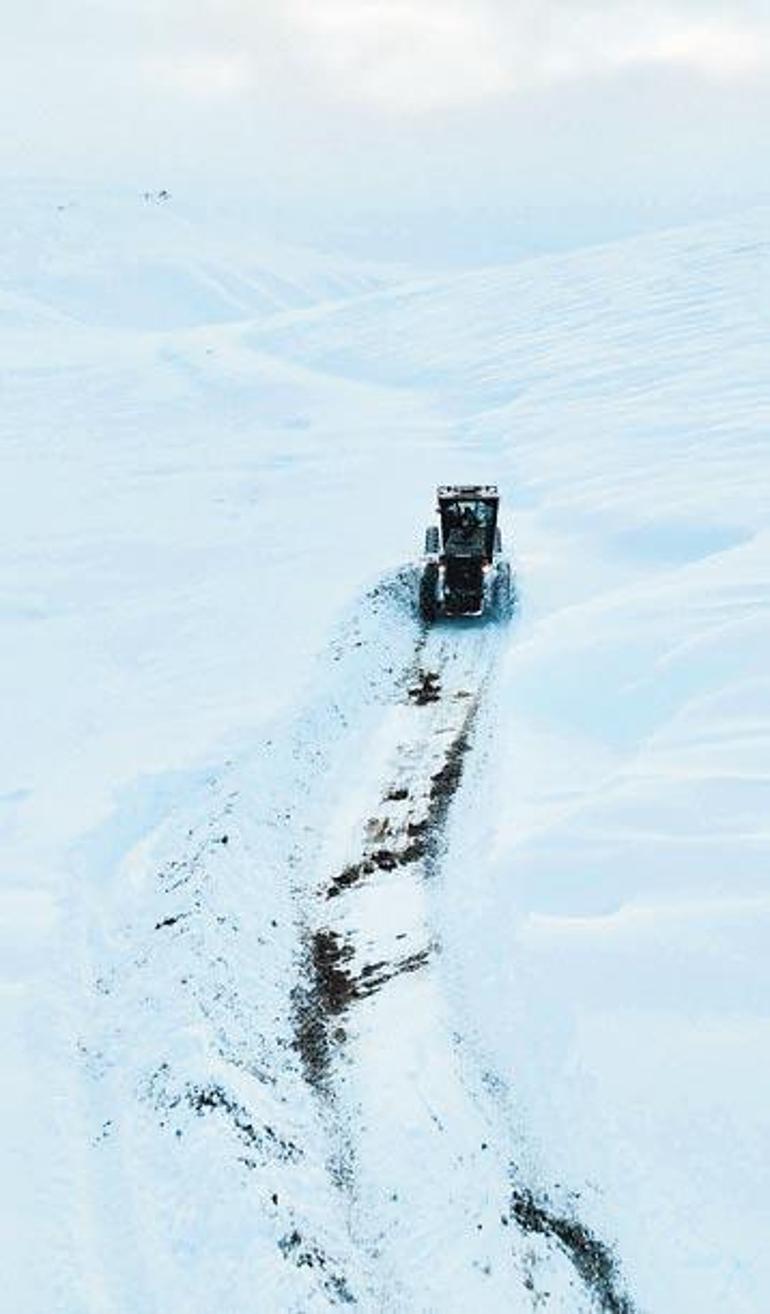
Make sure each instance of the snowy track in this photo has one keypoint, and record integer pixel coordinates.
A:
(302, 1018)
(383, 840)
(420, 1151)
(372, 1024)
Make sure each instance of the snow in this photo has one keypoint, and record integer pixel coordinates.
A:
(218, 452)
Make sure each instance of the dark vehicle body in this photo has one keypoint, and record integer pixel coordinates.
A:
(464, 572)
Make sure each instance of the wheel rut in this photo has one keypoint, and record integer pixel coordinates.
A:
(391, 847)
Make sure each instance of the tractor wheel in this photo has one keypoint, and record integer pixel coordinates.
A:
(432, 543)
(428, 587)
(502, 593)
(498, 540)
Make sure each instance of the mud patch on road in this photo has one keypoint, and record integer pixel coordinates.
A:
(593, 1260)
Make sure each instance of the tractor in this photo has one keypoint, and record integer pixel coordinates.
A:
(464, 572)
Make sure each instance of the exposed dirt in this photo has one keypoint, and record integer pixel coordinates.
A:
(260, 1139)
(329, 986)
(171, 921)
(446, 781)
(594, 1261)
(348, 876)
(375, 975)
(419, 838)
(426, 690)
(305, 1254)
(327, 992)
(384, 859)
(323, 993)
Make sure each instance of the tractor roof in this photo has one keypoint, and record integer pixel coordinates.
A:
(467, 491)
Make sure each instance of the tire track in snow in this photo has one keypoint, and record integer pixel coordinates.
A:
(394, 837)
(371, 997)
(424, 1160)
(357, 1156)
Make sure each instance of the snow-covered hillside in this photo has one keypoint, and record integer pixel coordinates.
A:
(152, 262)
(317, 990)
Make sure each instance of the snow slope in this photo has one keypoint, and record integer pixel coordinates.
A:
(152, 261)
(521, 1064)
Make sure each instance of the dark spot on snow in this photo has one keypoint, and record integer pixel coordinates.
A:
(593, 1260)
(170, 921)
(383, 859)
(445, 783)
(341, 1166)
(307, 1255)
(426, 690)
(349, 876)
(289, 1242)
(389, 859)
(207, 1099)
(396, 794)
(337, 1287)
(260, 1139)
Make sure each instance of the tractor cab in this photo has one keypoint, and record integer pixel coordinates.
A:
(468, 520)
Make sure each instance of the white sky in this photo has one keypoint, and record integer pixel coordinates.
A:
(539, 111)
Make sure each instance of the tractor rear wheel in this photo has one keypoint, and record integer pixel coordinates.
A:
(428, 592)
(432, 543)
(502, 593)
